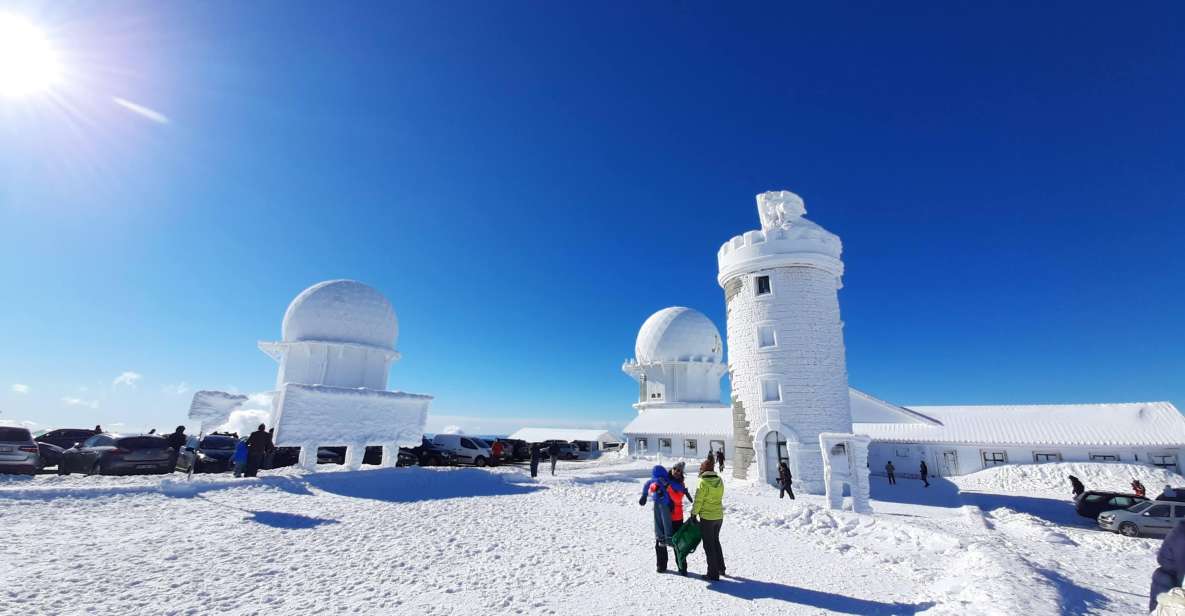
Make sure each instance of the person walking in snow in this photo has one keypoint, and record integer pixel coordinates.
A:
(1138, 488)
(720, 458)
(663, 530)
(534, 460)
(259, 444)
(176, 440)
(924, 472)
(786, 480)
(677, 491)
(239, 459)
(495, 453)
(709, 508)
(553, 450)
(1170, 572)
(891, 471)
(1076, 486)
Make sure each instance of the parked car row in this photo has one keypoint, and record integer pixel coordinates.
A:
(1132, 515)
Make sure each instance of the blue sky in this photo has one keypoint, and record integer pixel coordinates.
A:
(528, 181)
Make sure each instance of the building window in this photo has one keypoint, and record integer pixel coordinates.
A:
(664, 445)
(690, 447)
(770, 392)
(642, 445)
(1104, 457)
(763, 285)
(902, 452)
(994, 458)
(766, 338)
(715, 446)
(1047, 457)
(1163, 460)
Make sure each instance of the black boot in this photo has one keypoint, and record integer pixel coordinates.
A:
(660, 554)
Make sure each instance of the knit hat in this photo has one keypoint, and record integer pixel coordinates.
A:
(706, 466)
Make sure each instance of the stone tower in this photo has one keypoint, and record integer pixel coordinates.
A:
(785, 342)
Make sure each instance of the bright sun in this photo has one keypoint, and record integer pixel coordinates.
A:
(27, 61)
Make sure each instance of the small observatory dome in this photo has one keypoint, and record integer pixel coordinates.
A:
(341, 311)
(678, 334)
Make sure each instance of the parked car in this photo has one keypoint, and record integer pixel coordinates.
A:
(118, 454)
(520, 449)
(1146, 518)
(466, 449)
(50, 454)
(66, 437)
(212, 454)
(431, 454)
(507, 449)
(567, 450)
(374, 455)
(18, 451)
(331, 455)
(1091, 504)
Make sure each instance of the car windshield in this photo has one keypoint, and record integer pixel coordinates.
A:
(480, 443)
(141, 442)
(1140, 507)
(218, 442)
(15, 435)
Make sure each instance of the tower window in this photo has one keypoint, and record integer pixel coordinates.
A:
(770, 392)
(763, 285)
(766, 337)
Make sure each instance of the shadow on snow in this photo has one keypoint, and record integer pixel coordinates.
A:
(744, 588)
(290, 521)
(1075, 600)
(409, 485)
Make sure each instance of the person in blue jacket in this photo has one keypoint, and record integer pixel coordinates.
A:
(1171, 559)
(658, 484)
(240, 457)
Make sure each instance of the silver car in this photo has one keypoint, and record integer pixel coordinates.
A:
(1146, 518)
(18, 451)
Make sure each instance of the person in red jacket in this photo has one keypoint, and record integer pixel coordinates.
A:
(496, 450)
(676, 490)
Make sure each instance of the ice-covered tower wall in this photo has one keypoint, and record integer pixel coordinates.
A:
(785, 341)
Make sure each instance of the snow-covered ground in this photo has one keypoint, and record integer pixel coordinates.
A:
(494, 541)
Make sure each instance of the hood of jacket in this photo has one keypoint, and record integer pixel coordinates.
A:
(659, 472)
(711, 479)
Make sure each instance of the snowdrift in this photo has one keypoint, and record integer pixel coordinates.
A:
(1052, 477)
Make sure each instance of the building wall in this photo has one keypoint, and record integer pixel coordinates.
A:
(321, 363)
(678, 446)
(807, 364)
(907, 457)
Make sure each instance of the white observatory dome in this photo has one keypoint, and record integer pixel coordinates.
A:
(341, 311)
(678, 334)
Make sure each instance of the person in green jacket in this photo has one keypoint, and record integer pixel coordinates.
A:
(709, 508)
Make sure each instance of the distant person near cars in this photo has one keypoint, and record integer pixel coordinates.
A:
(924, 472)
(496, 450)
(1139, 488)
(240, 457)
(786, 480)
(176, 440)
(891, 471)
(259, 445)
(553, 450)
(98, 429)
(720, 459)
(1076, 486)
(535, 460)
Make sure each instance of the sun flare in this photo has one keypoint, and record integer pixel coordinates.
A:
(28, 64)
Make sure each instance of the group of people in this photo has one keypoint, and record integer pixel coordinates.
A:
(923, 473)
(250, 455)
(553, 452)
(667, 489)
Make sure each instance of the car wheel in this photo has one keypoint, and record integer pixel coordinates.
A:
(1127, 529)
(480, 461)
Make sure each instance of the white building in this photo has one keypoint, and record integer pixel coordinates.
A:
(331, 389)
(963, 439)
(789, 380)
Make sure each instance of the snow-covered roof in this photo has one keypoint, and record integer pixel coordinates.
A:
(1133, 424)
(341, 311)
(678, 334)
(538, 435)
(682, 421)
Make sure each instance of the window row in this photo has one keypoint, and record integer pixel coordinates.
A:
(994, 458)
(690, 445)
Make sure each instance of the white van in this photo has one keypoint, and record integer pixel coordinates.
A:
(468, 449)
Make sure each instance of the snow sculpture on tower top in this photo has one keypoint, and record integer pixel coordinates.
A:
(777, 208)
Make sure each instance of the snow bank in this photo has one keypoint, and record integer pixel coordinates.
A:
(1052, 477)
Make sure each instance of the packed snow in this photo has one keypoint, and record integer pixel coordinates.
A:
(494, 541)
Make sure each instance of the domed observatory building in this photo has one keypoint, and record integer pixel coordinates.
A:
(678, 362)
(785, 338)
(331, 390)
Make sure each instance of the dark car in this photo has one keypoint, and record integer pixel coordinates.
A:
(520, 449)
(1091, 504)
(507, 449)
(567, 450)
(50, 454)
(212, 454)
(66, 437)
(118, 454)
(431, 454)
(18, 452)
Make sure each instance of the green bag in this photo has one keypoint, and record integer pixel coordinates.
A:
(685, 541)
